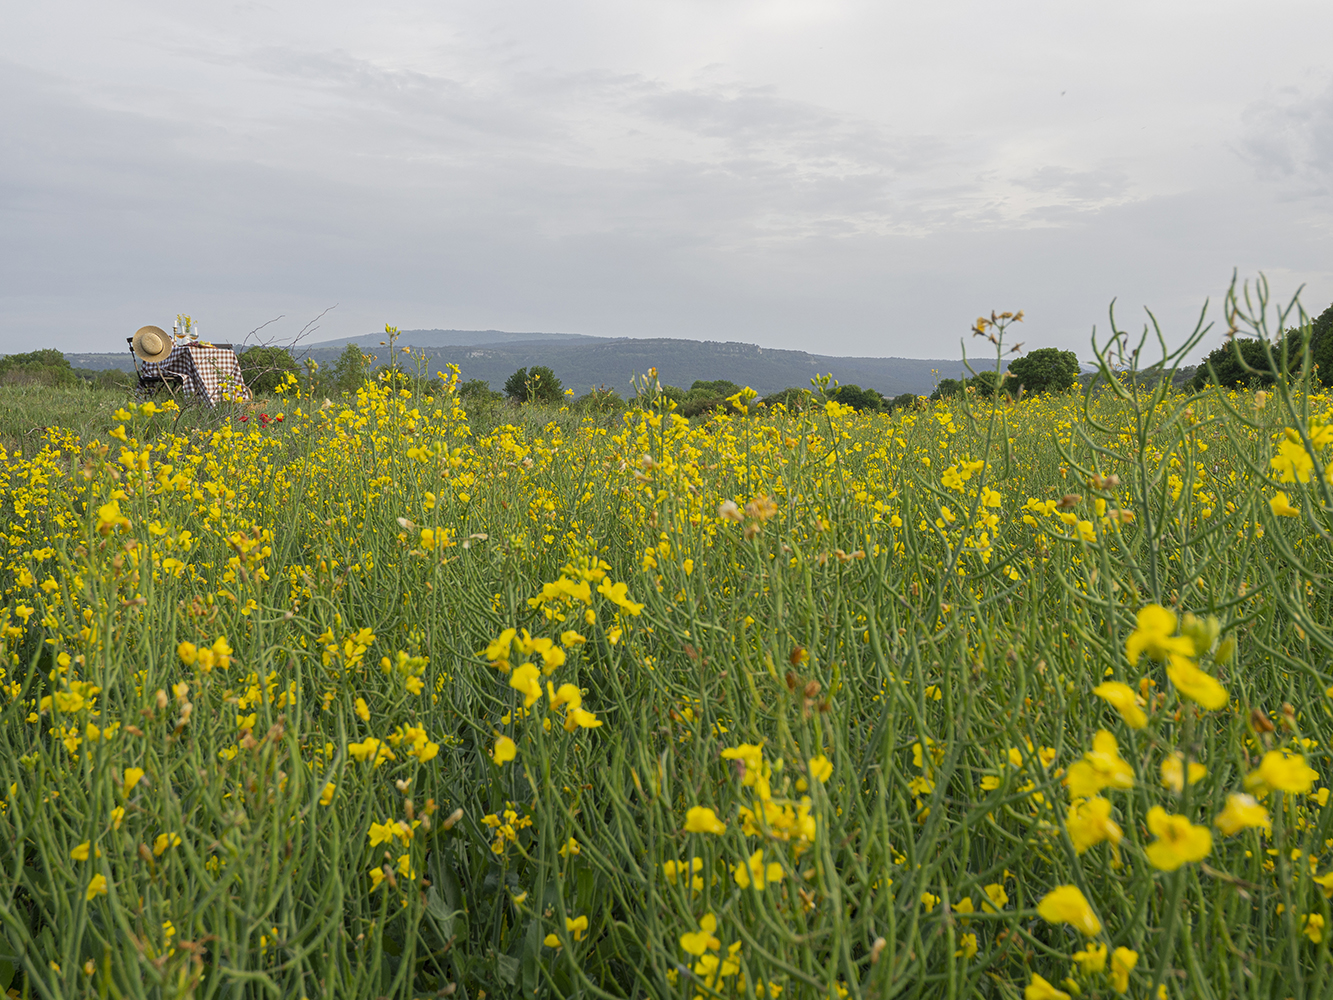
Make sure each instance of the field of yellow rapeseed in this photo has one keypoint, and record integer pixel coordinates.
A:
(984, 698)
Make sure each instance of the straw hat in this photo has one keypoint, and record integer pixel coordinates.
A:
(152, 344)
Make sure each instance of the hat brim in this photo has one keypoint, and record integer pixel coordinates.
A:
(142, 352)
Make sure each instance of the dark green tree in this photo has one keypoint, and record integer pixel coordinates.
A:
(537, 384)
(1321, 345)
(793, 398)
(477, 390)
(266, 368)
(349, 372)
(716, 389)
(985, 382)
(865, 400)
(947, 388)
(904, 401)
(1239, 363)
(1047, 369)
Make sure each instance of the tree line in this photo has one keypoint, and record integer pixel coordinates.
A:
(1240, 362)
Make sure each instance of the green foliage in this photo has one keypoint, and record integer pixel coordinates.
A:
(266, 368)
(602, 400)
(947, 388)
(1241, 362)
(535, 385)
(985, 383)
(697, 406)
(350, 370)
(44, 367)
(794, 398)
(865, 400)
(106, 378)
(1047, 369)
(476, 390)
(715, 389)
(906, 400)
(1321, 345)
(662, 395)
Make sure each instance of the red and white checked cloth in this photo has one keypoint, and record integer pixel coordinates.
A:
(204, 370)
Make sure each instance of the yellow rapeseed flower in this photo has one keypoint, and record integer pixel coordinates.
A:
(616, 593)
(1154, 635)
(527, 680)
(701, 819)
(165, 841)
(753, 872)
(1092, 959)
(1312, 926)
(697, 942)
(1281, 771)
(1178, 840)
(1123, 961)
(381, 833)
(1173, 772)
(96, 887)
(505, 750)
(1089, 823)
(1040, 989)
(1124, 700)
(1280, 505)
(1102, 767)
(1065, 904)
(967, 947)
(821, 768)
(1325, 882)
(1195, 684)
(133, 775)
(582, 718)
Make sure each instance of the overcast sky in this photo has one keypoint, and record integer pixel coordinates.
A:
(855, 178)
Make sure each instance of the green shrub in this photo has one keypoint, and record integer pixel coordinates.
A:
(864, 400)
(351, 369)
(794, 398)
(266, 368)
(535, 385)
(1241, 362)
(1047, 369)
(44, 367)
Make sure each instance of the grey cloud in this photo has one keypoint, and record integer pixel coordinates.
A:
(597, 201)
(1288, 138)
(1079, 186)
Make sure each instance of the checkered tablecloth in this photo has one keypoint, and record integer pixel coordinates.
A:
(204, 370)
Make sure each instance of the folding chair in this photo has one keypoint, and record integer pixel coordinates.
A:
(151, 383)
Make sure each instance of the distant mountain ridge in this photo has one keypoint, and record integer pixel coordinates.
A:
(458, 338)
(584, 362)
(582, 365)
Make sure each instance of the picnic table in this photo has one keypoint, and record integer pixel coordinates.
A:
(199, 368)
